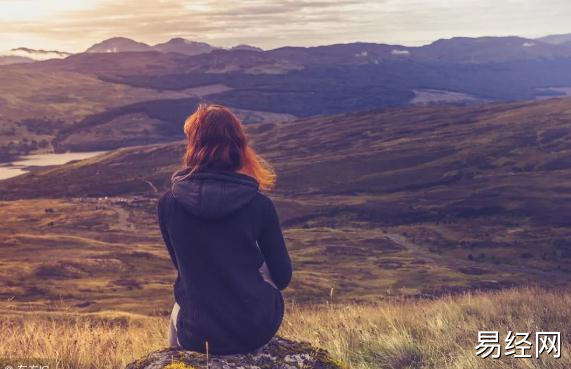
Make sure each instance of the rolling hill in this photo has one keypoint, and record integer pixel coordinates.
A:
(416, 201)
(138, 90)
(14, 59)
(560, 39)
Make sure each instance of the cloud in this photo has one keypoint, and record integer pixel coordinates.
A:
(211, 21)
(271, 23)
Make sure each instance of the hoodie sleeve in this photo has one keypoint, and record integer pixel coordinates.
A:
(162, 224)
(273, 247)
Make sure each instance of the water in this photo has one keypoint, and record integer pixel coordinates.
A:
(21, 166)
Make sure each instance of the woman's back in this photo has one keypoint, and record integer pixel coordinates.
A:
(219, 229)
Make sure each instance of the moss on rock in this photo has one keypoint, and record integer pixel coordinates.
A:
(280, 353)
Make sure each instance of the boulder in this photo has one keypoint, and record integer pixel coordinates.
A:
(279, 353)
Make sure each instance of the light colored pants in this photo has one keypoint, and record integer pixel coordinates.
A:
(172, 336)
(173, 339)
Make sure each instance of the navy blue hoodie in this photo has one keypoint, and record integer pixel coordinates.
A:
(219, 229)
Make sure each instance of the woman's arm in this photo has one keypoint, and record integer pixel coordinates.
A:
(162, 224)
(272, 245)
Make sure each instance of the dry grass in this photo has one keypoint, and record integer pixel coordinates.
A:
(103, 340)
(401, 334)
(439, 334)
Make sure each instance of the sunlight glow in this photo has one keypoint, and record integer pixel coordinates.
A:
(196, 6)
(30, 10)
(75, 25)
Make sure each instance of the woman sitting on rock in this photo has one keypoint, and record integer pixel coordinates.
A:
(224, 238)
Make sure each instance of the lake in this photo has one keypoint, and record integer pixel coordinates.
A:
(22, 164)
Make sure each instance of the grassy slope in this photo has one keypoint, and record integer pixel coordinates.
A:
(397, 202)
(391, 335)
(64, 105)
(36, 104)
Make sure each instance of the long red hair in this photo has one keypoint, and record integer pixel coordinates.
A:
(216, 140)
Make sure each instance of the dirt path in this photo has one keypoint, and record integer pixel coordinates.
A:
(413, 248)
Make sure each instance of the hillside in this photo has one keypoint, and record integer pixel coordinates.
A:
(388, 335)
(70, 110)
(560, 39)
(133, 95)
(14, 59)
(417, 201)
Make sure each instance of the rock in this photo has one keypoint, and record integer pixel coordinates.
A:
(280, 353)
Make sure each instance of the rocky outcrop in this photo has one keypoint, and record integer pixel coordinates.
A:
(280, 353)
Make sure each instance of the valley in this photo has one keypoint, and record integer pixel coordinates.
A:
(124, 93)
(381, 204)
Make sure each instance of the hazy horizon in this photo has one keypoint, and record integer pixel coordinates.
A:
(73, 27)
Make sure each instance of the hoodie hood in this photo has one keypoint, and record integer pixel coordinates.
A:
(212, 193)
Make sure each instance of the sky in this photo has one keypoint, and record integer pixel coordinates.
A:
(74, 25)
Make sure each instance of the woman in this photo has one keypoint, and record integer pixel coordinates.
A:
(224, 238)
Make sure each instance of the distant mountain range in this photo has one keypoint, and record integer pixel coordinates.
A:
(117, 45)
(175, 45)
(462, 49)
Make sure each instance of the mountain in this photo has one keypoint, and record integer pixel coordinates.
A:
(477, 50)
(489, 49)
(402, 201)
(457, 49)
(246, 47)
(13, 59)
(556, 39)
(118, 44)
(175, 45)
(183, 46)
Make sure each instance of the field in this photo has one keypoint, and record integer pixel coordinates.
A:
(106, 254)
(418, 334)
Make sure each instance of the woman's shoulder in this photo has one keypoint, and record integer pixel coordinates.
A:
(262, 198)
(264, 201)
(165, 200)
